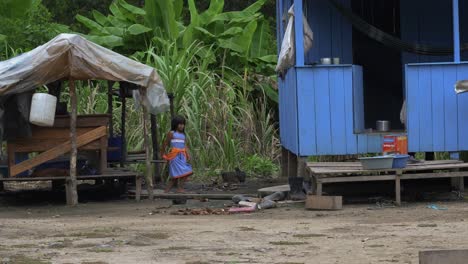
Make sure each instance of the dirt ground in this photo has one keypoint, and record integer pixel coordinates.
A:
(124, 231)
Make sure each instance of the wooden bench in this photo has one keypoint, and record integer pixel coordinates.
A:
(332, 172)
(110, 173)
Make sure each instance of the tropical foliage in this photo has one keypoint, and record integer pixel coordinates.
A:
(218, 63)
(25, 24)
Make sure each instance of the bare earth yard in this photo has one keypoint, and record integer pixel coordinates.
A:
(147, 232)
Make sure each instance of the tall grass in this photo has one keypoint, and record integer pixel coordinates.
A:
(224, 124)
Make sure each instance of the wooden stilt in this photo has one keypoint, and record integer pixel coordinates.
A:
(72, 194)
(171, 104)
(154, 138)
(284, 162)
(398, 189)
(457, 183)
(138, 188)
(293, 162)
(301, 166)
(149, 177)
(122, 127)
(110, 107)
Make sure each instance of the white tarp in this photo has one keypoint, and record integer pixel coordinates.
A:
(72, 56)
(287, 56)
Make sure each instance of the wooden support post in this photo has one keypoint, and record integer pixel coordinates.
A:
(103, 154)
(138, 188)
(457, 183)
(398, 188)
(284, 162)
(171, 103)
(148, 174)
(72, 193)
(2, 186)
(301, 166)
(11, 157)
(110, 107)
(318, 190)
(122, 127)
(292, 164)
(154, 138)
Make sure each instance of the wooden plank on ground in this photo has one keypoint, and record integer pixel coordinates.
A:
(58, 151)
(216, 196)
(270, 190)
(459, 256)
(318, 202)
(83, 177)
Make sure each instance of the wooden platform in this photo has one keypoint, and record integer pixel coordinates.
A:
(113, 173)
(331, 172)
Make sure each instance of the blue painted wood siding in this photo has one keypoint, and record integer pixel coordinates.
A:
(437, 117)
(288, 107)
(332, 32)
(326, 119)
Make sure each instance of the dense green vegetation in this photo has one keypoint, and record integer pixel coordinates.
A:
(216, 57)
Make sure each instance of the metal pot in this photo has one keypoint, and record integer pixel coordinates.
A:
(382, 125)
(325, 61)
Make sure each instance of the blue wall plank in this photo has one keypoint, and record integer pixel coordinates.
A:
(450, 109)
(306, 114)
(337, 110)
(412, 108)
(288, 110)
(322, 110)
(351, 138)
(425, 109)
(358, 99)
(362, 143)
(374, 143)
(299, 32)
(462, 74)
(438, 114)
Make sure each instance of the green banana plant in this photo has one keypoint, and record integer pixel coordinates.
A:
(242, 38)
(17, 8)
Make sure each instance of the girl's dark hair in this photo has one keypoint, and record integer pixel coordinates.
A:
(176, 121)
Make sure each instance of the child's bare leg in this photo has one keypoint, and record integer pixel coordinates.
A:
(180, 185)
(169, 185)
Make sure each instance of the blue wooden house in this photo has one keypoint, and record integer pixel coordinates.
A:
(331, 109)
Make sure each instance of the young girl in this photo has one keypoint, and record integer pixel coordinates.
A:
(178, 157)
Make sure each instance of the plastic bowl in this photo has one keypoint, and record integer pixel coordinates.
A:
(400, 161)
(378, 162)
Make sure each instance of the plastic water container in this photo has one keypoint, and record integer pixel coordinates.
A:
(43, 109)
(399, 161)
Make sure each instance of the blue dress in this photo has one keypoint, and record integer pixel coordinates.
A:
(177, 157)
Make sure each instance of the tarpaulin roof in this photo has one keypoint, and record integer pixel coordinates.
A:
(72, 56)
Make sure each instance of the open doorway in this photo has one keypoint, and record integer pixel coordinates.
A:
(382, 66)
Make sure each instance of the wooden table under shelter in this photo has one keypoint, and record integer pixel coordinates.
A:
(333, 172)
(53, 142)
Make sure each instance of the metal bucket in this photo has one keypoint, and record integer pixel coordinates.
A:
(382, 125)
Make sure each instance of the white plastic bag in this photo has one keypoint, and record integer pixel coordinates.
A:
(155, 100)
(287, 54)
